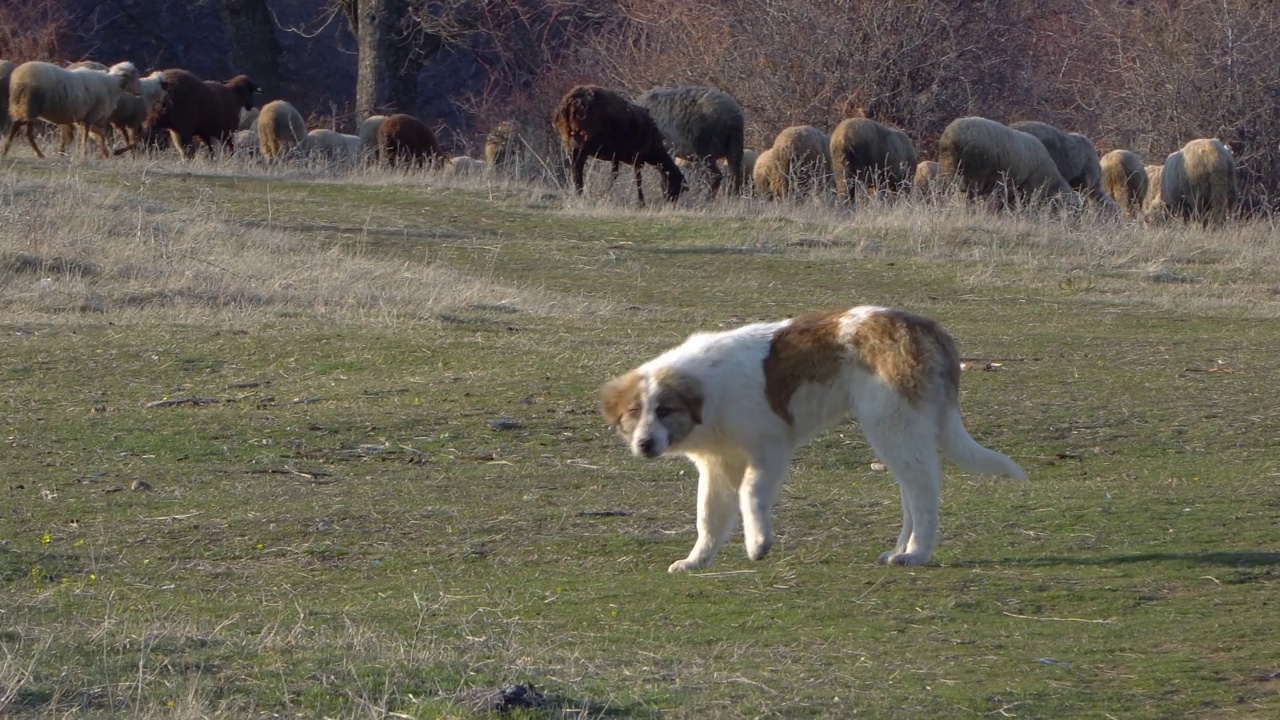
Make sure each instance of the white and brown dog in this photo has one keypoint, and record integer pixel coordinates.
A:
(739, 403)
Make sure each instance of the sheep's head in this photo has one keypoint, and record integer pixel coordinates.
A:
(128, 75)
(672, 182)
(244, 89)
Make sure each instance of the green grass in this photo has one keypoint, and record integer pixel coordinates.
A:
(342, 532)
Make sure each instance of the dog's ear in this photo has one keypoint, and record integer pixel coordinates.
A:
(618, 396)
(689, 394)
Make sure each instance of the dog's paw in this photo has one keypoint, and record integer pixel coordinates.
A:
(687, 565)
(758, 550)
(893, 557)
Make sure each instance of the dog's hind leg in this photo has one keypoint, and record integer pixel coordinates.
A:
(718, 481)
(905, 440)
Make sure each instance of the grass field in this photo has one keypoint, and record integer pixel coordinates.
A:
(361, 412)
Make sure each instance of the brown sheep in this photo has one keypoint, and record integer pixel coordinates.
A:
(798, 165)
(1075, 156)
(6, 69)
(1125, 180)
(280, 129)
(982, 156)
(202, 109)
(600, 123)
(865, 152)
(701, 125)
(404, 137)
(1153, 206)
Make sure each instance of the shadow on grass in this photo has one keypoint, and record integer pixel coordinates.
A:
(1222, 558)
(711, 250)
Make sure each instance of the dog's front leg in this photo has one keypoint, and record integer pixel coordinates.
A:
(717, 511)
(759, 493)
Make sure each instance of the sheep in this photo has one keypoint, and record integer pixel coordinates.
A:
(130, 115)
(924, 181)
(280, 129)
(205, 110)
(865, 152)
(798, 164)
(463, 166)
(1152, 205)
(1125, 180)
(701, 125)
(1076, 158)
(595, 122)
(368, 134)
(84, 96)
(248, 120)
(246, 141)
(6, 69)
(749, 158)
(502, 145)
(404, 137)
(1199, 182)
(334, 147)
(981, 156)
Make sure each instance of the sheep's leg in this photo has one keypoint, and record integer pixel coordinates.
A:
(716, 176)
(66, 136)
(8, 138)
(31, 139)
(639, 189)
(579, 163)
(84, 140)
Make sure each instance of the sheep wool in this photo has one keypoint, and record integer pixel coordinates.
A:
(84, 96)
(601, 123)
(1199, 182)
(1125, 180)
(797, 166)
(280, 129)
(865, 152)
(982, 156)
(701, 125)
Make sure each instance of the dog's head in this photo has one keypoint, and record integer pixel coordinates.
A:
(653, 412)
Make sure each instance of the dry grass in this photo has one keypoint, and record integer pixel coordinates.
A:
(76, 246)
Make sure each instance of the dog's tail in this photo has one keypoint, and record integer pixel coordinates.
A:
(963, 450)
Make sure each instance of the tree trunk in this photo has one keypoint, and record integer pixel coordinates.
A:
(388, 67)
(255, 50)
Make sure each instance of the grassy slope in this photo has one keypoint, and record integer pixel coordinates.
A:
(344, 534)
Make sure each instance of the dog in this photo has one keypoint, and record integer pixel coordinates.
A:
(739, 403)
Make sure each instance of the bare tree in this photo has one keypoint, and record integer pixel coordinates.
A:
(389, 56)
(255, 49)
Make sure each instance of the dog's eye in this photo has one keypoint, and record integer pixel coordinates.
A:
(662, 412)
(634, 411)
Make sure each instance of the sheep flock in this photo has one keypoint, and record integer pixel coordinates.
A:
(695, 137)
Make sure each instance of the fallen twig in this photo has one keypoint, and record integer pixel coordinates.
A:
(176, 517)
(1061, 619)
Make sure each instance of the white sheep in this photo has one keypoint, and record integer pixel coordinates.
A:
(84, 96)
(984, 157)
(368, 134)
(1125, 180)
(798, 165)
(280, 129)
(334, 147)
(246, 141)
(463, 166)
(130, 114)
(1199, 181)
(248, 119)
